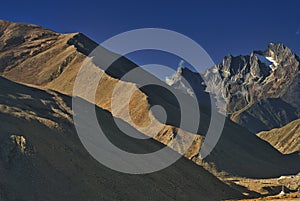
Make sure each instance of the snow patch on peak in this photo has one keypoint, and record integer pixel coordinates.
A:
(263, 59)
(269, 61)
(274, 63)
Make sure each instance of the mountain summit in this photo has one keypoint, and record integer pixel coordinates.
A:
(261, 89)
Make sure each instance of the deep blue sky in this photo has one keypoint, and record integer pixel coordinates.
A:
(221, 27)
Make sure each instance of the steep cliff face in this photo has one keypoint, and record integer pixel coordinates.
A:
(261, 90)
(259, 76)
(274, 99)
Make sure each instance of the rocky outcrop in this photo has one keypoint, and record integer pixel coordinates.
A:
(190, 83)
(248, 80)
(82, 43)
(15, 148)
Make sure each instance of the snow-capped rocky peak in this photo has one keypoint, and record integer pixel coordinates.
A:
(243, 79)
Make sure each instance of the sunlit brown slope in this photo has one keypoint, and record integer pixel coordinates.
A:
(41, 157)
(56, 65)
(286, 139)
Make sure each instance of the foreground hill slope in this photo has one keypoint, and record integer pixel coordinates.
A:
(41, 157)
(55, 66)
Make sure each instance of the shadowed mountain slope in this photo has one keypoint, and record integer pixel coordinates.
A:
(42, 158)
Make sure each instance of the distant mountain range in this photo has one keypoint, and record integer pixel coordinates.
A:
(261, 89)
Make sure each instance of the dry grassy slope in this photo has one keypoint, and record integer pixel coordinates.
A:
(20, 45)
(244, 155)
(41, 157)
(286, 139)
(54, 64)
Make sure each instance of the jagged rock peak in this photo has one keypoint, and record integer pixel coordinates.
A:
(243, 79)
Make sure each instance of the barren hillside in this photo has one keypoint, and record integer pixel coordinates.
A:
(56, 60)
(285, 139)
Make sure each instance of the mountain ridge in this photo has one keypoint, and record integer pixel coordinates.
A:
(42, 70)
